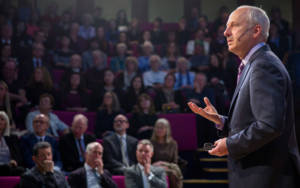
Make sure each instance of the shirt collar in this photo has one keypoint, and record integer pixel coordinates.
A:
(40, 137)
(87, 167)
(252, 51)
(141, 167)
(119, 136)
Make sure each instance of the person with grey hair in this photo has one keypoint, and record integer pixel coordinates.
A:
(143, 60)
(184, 77)
(259, 131)
(143, 174)
(43, 174)
(87, 30)
(93, 173)
(72, 146)
(154, 77)
(10, 156)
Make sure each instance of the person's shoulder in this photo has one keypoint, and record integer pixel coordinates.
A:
(31, 173)
(157, 169)
(77, 172)
(33, 113)
(130, 170)
(27, 136)
(131, 138)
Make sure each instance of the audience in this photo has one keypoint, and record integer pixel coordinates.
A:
(107, 111)
(11, 160)
(72, 145)
(143, 117)
(45, 107)
(166, 152)
(43, 173)
(40, 126)
(119, 147)
(92, 174)
(143, 174)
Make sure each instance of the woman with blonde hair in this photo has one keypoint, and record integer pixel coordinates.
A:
(10, 155)
(166, 152)
(5, 104)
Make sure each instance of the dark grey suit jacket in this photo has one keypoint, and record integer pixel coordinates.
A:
(134, 178)
(77, 179)
(34, 179)
(112, 156)
(260, 126)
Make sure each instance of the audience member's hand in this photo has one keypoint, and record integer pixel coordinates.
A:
(13, 163)
(99, 166)
(209, 112)
(220, 149)
(147, 165)
(48, 165)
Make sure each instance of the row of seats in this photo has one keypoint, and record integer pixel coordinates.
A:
(183, 126)
(13, 181)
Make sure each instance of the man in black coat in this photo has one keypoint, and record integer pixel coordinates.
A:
(259, 130)
(72, 145)
(119, 148)
(43, 174)
(93, 173)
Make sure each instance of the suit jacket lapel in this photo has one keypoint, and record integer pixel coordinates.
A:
(117, 145)
(139, 174)
(244, 75)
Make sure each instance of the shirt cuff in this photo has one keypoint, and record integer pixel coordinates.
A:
(150, 176)
(220, 126)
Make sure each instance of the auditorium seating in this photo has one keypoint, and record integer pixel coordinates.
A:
(183, 127)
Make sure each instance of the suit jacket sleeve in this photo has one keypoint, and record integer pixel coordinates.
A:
(131, 178)
(106, 180)
(267, 86)
(159, 179)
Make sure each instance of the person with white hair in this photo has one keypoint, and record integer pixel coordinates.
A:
(93, 173)
(72, 146)
(154, 77)
(259, 131)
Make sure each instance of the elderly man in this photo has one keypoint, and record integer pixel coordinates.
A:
(259, 131)
(40, 127)
(143, 174)
(45, 107)
(43, 174)
(154, 77)
(72, 145)
(119, 148)
(93, 173)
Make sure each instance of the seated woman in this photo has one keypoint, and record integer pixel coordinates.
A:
(5, 103)
(135, 89)
(166, 152)
(10, 152)
(143, 118)
(74, 96)
(167, 99)
(39, 83)
(108, 110)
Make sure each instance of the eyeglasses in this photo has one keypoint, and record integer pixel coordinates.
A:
(120, 121)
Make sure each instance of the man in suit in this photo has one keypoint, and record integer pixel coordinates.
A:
(72, 145)
(143, 174)
(93, 173)
(40, 127)
(119, 148)
(43, 174)
(259, 130)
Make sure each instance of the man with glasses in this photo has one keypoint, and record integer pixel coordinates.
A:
(40, 127)
(119, 148)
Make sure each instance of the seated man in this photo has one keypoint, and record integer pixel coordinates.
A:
(144, 174)
(72, 145)
(93, 173)
(40, 127)
(43, 174)
(119, 148)
(45, 107)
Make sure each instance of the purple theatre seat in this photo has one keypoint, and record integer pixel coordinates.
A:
(9, 181)
(183, 130)
(67, 117)
(119, 180)
(57, 76)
